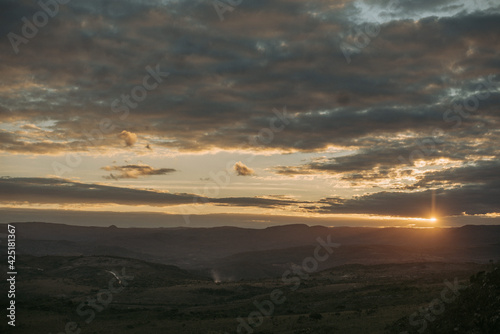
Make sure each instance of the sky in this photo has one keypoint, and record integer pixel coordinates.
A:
(250, 113)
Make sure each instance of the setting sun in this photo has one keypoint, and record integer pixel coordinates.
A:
(241, 166)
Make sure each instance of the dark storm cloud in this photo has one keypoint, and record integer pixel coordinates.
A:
(9, 142)
(226, 77)
(48, 190)
(406, 7)
(61, 191)
(471, 199)
(381, 157)
(12, 11)
(473, 189)
(370, 164)
(255, 202)
(478, 173)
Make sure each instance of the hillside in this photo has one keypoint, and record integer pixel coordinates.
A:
(235, 253)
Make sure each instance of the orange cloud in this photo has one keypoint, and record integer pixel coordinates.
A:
(243, 170)
(135, 171)
(130, 138)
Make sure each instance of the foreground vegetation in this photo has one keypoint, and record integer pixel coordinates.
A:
(84, 293)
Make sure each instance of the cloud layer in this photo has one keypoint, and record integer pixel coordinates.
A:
(413, 111)
(473, 199)
(226, 77)
(135, 171)
(243, 170)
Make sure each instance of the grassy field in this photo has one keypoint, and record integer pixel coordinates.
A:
(56, 291)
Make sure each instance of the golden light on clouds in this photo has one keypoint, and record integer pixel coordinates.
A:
(267, 120)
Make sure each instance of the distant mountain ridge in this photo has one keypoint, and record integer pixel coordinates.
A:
(234, 251)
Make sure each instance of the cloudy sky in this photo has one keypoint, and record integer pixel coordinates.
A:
(187, 113)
